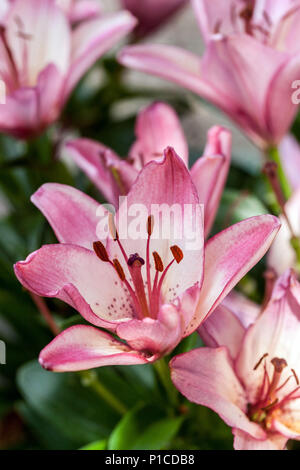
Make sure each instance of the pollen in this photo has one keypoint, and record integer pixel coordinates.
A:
(177, 253)
(150, 225)
(119, 269)
(159, 266)
(100, 251)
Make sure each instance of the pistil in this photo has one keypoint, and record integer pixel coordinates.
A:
(143, 306)
(268, 400)
(135, 263)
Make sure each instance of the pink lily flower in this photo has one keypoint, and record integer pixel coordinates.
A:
(157, 126)
(249, 375)
(241, 38)
(42, 60)
(150, 291)
(151, 14)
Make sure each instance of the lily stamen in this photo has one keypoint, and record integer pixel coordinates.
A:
(143, 306)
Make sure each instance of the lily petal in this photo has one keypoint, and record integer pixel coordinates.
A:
(84, 347)
(158, 336)
(83, 10)
(243, 441)
(214, 15)
(280, 109)
(243, 308)
(76, 276)
(285, 430)
(282, 243)
(235, 77)
(111, 175)
(205, 376)
(92, 39)
(46, 45)
(71, 213)
(158, 127)
(209, 173)
(174, 64)
(229, 255)
(49, 88)
(223, 328)
(289, 150)
(19, 115)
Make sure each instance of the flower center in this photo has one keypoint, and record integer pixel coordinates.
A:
(145, 294)
(269, 400)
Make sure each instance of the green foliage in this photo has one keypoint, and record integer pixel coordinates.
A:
(142, 429)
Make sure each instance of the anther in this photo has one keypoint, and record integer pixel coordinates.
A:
(159, 266)
(150, 225)
(100, 251)
(296, 376)
(177, 253)
(112, 227)
(135, 259)
(247, 13)
(118, 179)
(279, 364)
(119, 269)
(260, 361)
(268, 407)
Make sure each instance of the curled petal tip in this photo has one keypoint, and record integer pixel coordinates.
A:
(45, 365)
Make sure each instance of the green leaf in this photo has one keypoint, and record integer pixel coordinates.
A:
(97, 445)
(143, 429)
(159, 434)
(77, 412)
(126, 432)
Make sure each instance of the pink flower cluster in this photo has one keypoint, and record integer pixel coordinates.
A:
(141, 295)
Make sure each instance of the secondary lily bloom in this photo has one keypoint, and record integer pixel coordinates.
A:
(42, 60)
(150, 290)
(249, 375)
(157, 126)
(152, 13)
(241, 38)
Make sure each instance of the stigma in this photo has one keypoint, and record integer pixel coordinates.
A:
(273, 394)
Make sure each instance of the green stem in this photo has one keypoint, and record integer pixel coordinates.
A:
(89, 379)
(163, 371)
(295, 242)
(273, 154)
